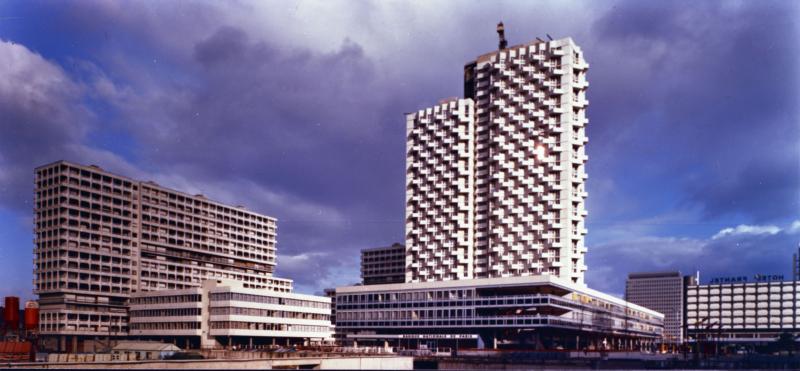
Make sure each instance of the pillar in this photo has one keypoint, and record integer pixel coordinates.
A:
(250, 343)
(74, 347)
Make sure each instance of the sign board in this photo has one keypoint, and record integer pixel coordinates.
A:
(412, 336)
(745, 279)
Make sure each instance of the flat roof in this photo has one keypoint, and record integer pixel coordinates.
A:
(153, 184)
(394, 246)
(557, 42)
(654, 274)
(495, 282)
(265, 292)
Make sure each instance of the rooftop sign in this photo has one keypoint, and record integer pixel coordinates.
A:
(744, 279)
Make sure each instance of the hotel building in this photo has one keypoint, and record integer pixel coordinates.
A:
(737, 311)
(495, 182)
(101, 238)
(383, 265)
(223, 313)
(495, 220)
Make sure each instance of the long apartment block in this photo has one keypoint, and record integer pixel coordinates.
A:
(742, 312)
(101, 237)
(495, 181)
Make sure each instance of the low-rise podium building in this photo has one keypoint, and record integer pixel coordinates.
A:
(735, 311)
(225, 313)
(534, 312)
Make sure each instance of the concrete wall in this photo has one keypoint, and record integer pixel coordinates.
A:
(376, 363)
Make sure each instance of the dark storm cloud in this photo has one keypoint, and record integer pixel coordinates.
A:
(224, 45)
(701, 100)
(291, 133)
(765, 188)
(296, 111)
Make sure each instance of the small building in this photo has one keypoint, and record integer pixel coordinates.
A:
(381, 265)
(145, 350)
(224, 313)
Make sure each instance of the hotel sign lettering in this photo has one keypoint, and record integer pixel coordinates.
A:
(744, 279)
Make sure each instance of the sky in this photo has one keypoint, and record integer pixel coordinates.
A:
(295, 109)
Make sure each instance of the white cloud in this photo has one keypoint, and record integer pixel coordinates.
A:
(794, 228)
(300, 261)
(30, 80)
(743, 249)
(312, 271)
(746, 229)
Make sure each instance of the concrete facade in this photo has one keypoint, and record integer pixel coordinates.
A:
(315, 363)
(225, 313)
(742, 312)
(662, 292)
(382, 265)
(495, 182)
(101, 237)
(535, 312)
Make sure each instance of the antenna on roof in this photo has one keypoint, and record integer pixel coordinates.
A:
(501, 33)
(540, 39)
(549, 37)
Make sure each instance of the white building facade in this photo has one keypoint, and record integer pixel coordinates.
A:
(225, 314)
(496, 181)
(527, 312)
(742, 312)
